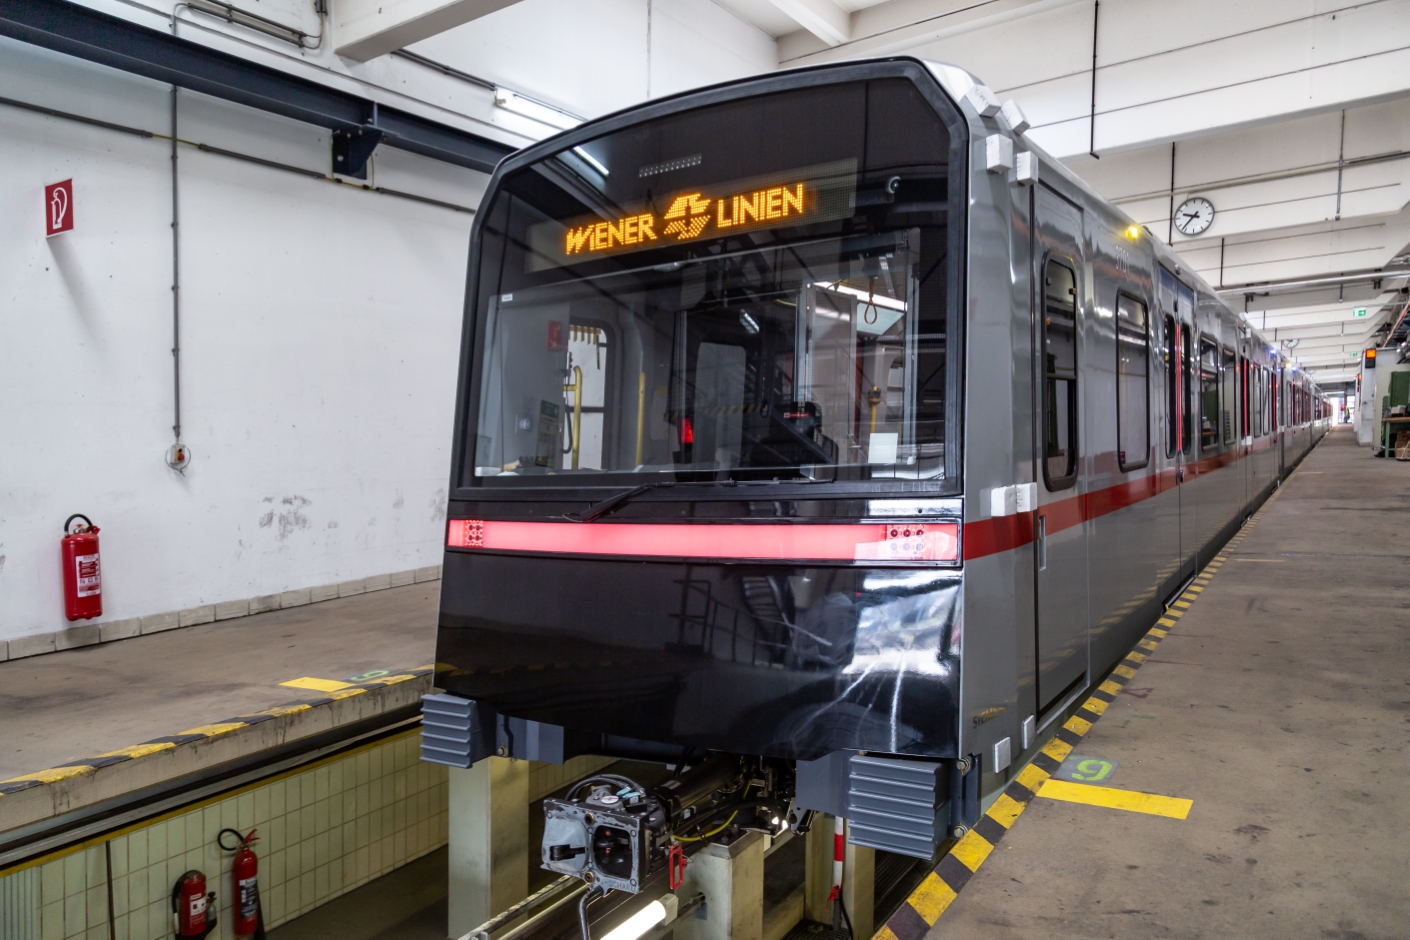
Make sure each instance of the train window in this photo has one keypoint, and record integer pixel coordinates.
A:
(1260, 393)
(1208, 395)
(1133, 350)
(1059, 375)
(1172, 389)
(1245, 429)
(1230, 379)
(757, 289)
(1274, 386)
(1186, 381)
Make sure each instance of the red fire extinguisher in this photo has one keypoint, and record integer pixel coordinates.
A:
(249, 919)
(83, 583)
(191, 907)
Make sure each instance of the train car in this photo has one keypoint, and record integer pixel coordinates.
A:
(822, 415)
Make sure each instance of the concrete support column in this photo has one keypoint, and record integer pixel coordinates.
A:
(817, 879)
(732, 879)
(489, 841)
(859, 887)
(858, 879)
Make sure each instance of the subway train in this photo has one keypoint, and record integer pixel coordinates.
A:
(822, 416)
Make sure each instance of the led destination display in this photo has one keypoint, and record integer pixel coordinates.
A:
(796, 197)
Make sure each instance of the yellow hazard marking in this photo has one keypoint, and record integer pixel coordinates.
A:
(1109, 687)
(53, 775)
(1182, 604)
(1032, 777)
(886, 933)
(1193, 589)
(1136, 657)
(1057, 749)
(346, 693)
(1095, 705)
(1156, 632)
(212, 731)
(972, 850)
(1166, 621)
(931, 898)
(317, 685)
(1125, 672)
(1078, 725)
(139, 750)
(1134, 801)
(1005, 810)
(1148, 645)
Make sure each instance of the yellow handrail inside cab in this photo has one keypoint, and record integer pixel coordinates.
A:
(577, 389)
(640, 413)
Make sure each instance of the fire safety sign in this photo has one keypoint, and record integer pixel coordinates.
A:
(58, 208)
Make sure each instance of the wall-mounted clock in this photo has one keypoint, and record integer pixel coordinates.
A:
(1194, 216)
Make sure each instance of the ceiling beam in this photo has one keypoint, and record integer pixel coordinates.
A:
(366, 29)
(823, 18)
(76, 30)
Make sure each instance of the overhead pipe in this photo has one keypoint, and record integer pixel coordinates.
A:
(1286, 287)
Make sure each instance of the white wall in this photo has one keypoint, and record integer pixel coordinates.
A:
(320, 325)
(602, 55)
(320, 322)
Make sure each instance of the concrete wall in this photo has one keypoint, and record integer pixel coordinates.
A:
(319, 332)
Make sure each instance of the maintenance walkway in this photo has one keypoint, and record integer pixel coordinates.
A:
(90, 726)
(1245, 772)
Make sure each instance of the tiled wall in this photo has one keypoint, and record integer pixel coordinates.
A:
(323, 831)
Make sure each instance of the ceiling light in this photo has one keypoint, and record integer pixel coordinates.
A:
(593, 161)
(881, 300)
(535, 110)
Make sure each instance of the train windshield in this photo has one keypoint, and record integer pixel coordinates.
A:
(756, 290)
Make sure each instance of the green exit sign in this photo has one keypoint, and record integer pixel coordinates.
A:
(1359, 311)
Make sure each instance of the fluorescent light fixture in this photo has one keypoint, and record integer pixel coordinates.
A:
(881, 300)
(535, 110)
(639, 923)
(592, 161)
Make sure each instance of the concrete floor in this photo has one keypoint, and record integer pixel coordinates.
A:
(1279, 704)
(66, 706)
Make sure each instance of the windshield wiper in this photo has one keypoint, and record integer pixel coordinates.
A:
(602, 508)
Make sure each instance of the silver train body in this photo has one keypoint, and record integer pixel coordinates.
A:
(1081, 499)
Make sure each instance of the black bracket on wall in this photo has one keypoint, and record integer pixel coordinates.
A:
(352, 147)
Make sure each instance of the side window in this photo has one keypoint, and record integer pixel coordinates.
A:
(1133, 350)
(1172, 389)
(1230, 379)
(1260, 389)
(1059, 375)
(1243, 398)
(1208, 395)
(1186, 375)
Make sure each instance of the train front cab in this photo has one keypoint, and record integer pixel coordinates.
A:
(707, 490)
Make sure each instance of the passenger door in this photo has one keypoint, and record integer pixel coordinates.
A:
(1061, 531)
(1177, 306)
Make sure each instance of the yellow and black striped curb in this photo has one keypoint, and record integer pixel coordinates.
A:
(937, 892)
(196, 735)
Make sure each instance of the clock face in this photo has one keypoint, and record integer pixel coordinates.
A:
(1194, 216)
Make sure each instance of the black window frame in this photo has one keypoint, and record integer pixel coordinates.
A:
(1074, 436)
(1125, 465)
(1206, 342)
